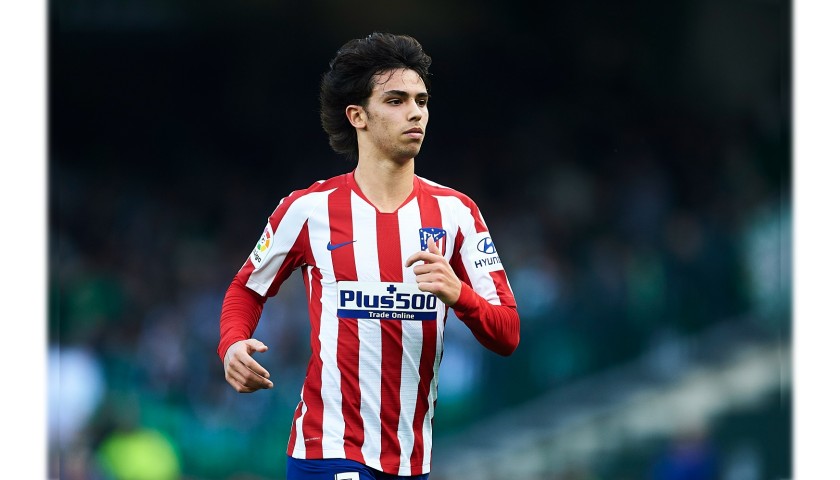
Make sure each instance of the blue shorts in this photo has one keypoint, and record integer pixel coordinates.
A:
(338, 469)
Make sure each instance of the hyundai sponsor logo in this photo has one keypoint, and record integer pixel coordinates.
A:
(485, 245)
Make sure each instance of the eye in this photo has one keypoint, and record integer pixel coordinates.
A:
(422, 102)
(394, 101)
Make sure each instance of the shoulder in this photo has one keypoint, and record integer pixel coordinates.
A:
(318, 187)
(327, 185)
(460, 205)
(438, 190)
(303, 200)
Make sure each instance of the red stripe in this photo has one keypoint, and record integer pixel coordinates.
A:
(313, 421)
(430, 216)
(502, 288)
(391, 270)
(293, 433)
(457, 262)
(347, 356)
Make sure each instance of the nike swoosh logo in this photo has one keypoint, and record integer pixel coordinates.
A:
(332, 247)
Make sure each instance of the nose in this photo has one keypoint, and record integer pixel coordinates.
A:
(414, 112)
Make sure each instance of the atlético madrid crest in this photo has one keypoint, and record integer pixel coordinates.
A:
(437, 235)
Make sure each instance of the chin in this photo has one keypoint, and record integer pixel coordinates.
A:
(415, 150)
(407, 154)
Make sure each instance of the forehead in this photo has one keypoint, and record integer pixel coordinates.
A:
(403, 79)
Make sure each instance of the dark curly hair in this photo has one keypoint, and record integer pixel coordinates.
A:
(349, 81)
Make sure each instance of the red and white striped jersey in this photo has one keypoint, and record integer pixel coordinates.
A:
(376, 339)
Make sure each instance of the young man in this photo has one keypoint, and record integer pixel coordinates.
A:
(384, 254)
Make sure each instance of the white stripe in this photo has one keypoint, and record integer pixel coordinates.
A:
(431, 182)
(332, 440)
(412, 338)
(370, 332)
(285, 235)
(300, 446)
(409, 224)
(450, 208)
(364, 234)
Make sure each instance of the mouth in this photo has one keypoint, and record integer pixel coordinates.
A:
(415, 132)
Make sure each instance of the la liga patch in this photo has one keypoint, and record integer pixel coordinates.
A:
(263, 246)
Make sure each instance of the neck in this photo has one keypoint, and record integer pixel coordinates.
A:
(386, 184)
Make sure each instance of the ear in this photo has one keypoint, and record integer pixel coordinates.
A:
(357, 116)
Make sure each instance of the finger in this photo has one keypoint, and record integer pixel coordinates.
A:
(262, 378)
(430, 283)
(421, 255)
(255, 367)
(428, 287)
(427, 277)
(256, 382)
(433, 248)
(249, 372)
(255, 345)
(252, 345)
(255, 374)
(422, 269)
(240, 387)
(250, 379)
(235, 380)
(238, 373)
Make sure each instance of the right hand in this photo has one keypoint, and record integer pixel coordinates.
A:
(242, 372)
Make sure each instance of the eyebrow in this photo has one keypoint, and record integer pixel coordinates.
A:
(403, 94)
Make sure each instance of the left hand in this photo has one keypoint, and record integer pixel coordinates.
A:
(436, 275)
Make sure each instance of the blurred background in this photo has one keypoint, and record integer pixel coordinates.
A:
(633, 163)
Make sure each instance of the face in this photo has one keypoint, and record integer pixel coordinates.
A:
(395, 117)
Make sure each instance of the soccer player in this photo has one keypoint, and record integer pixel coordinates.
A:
(384, 254)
